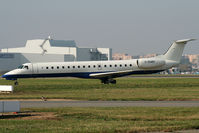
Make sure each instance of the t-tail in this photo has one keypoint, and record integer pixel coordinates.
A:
(174, 53)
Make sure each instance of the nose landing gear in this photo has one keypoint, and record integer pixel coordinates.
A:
(16, 82)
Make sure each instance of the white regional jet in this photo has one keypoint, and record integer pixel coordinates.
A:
(106, 71)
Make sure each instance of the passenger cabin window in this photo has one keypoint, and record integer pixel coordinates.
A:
(89, 66)
(62, 67)
(68, 66)
(125, 65)
(46, 67)
(110, 65)
(78, 66)
(115, 65)
(94, 66)
(57, 67)
(104, 65)
(73, 66)
(120, 65)
(83, 66)
(130, 65)
(52, 67)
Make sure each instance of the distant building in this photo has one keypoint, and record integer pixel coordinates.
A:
(49, 50)
(122, 56)
(149, 56)
(119, 56)
(194, 59)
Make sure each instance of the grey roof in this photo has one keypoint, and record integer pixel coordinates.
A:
(62, 43)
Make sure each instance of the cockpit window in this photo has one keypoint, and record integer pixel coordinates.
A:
(23, 67)
(20, 67)
(26, 67)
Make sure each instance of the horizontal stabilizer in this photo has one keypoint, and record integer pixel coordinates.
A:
(184, 40)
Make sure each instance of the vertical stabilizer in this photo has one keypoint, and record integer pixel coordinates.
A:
(175, 51)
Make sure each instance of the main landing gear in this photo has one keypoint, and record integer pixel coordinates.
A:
(107, 81)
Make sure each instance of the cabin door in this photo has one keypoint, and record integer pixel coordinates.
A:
(34, 68)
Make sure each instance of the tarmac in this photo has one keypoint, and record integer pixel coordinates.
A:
(57, 104)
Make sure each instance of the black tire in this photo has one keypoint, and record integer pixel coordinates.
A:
(106, 82)
(113, 82)
(16, 83)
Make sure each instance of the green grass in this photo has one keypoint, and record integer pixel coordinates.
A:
(125, 119)
(88, 89)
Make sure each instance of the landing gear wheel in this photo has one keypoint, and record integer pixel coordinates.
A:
(107, 81)
(113, 82)
(16, 83)
(104, 81)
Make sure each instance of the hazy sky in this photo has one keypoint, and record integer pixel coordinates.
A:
(128, 26)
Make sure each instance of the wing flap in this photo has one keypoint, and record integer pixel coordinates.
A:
(110, 74)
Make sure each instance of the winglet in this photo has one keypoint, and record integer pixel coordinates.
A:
(184, 40)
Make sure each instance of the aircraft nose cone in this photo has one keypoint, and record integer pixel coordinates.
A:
(4, 76)
(8, 77)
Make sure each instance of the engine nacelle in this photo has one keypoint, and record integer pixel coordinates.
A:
(150, 63)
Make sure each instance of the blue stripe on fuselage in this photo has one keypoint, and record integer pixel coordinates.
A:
(79, 74)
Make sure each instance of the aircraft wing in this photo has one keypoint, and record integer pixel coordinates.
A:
(110, 74)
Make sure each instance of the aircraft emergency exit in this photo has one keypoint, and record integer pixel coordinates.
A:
(106, 71)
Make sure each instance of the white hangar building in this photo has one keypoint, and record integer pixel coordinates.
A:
(49, 50)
